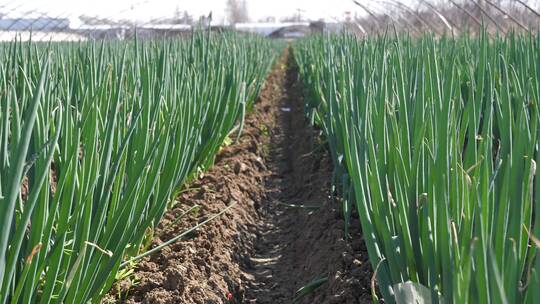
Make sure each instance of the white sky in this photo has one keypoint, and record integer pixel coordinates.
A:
(146, 9)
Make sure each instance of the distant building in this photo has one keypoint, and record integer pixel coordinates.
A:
(288, 29)
(41, 24)
(267, 28)
(334, 27)
(102, 31)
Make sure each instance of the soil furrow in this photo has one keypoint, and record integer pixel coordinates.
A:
(266, 246)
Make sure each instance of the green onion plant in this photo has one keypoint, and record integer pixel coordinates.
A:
(95, 139)
(435, 141)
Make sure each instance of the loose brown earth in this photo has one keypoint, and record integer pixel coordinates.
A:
(261, 250)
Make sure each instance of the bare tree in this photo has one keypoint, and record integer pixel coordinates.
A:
(237, 11)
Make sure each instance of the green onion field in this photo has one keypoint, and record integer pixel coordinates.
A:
(411, 159)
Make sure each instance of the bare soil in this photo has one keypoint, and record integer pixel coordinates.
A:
(266, 246)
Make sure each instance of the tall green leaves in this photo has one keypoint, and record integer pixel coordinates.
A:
(94, 140)
(439, 139)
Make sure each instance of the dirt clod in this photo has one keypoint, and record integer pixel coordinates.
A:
(239, 167)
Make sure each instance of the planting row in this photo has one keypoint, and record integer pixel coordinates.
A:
(435, 143)
(95, 140)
